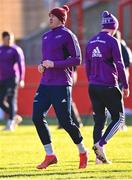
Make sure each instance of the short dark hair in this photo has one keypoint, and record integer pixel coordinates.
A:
(5, 34)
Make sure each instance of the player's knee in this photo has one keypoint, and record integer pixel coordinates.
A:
(99, 121)
(119, 117)
(67, 124)
(99, 125)
(36, 116)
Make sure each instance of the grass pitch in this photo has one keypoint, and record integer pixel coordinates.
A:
(21, 151)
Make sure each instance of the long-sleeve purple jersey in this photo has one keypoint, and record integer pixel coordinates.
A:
(60, 45)
(104, 63)
(22, 61)
(8, 57)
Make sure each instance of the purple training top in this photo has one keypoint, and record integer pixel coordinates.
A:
(8, 57)
(61, 46)
(22, 61)
(104, 62)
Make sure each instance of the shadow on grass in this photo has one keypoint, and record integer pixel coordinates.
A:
(43, 172)
(56, 173)
(122, 161)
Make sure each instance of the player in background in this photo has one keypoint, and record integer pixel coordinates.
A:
(61, 51)
(104, 66)
(127, 58)
(8, 57)
(19, 82)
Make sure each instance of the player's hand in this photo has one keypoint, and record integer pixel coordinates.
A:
(126, 93)
(48, 64)
(41, 68)
(22, 83)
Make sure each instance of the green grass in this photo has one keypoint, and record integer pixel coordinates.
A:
(21, 151)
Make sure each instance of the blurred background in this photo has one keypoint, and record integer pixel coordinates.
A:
(28, 20)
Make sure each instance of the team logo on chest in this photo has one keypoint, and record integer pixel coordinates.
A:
(96, 52)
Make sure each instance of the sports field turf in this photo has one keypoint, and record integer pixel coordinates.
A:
(21, 151)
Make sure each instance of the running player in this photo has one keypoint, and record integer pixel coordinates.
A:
(61, 51)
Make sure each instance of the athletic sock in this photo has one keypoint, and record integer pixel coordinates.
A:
(102, 142)
(9, 122)
(81, 148)
(48, 149)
